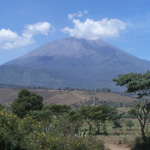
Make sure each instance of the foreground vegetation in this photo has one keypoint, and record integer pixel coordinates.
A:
(28, 133)
(29, 124)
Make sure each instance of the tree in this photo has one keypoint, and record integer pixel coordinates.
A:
(116, 124)
(75, 120)
(26, 102)
(103, 113)
(57, 109)
(140, 84)
(87, 115)
(115, 118)
(106, 90)
(141, 110)
(129, 124)
(135, 83)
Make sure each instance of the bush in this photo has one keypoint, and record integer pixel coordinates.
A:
(141, 145)
(41, 115)
(129, 124)
(34, 133)
(1, 107)
(43, 141)
(86, 143)
(59, 135)
(9, 133)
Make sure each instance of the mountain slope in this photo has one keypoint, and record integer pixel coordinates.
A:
(71, 62)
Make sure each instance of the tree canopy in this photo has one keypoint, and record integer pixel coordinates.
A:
(25, 102)
(135, 82)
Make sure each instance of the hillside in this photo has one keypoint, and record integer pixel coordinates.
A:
(71, 62)
(68, 97)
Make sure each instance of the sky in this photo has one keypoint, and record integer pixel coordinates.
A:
(27, 24)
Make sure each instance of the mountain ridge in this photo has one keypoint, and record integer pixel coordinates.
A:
(72, 62)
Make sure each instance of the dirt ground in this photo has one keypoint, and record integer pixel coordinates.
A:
(66, 97)
(117, 147)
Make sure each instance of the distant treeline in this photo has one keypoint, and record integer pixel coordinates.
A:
(12, 86)
(84, 89)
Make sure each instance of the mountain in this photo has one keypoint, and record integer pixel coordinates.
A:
(72, 62)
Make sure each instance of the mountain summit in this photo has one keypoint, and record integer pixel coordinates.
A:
(71, 62)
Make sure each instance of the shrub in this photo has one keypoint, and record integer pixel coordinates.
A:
(1, 107)
(32, 133)
(9, 133)
(43, 141)
(140, 144)
(86, 143)
(129, 124)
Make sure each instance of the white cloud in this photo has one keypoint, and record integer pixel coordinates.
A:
(78, 14)
(10, 39)
(91, 29)
(6, 34)
(39, 28)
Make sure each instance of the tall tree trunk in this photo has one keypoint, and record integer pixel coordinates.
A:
(142, 130)
(143, 134)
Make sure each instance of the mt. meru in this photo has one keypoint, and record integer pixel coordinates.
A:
(71, 62)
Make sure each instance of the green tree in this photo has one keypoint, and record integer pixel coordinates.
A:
(41, 115)
(141, 110)
(26, 102)
(86, 113)
(75, 120)
(129, 124)
(101, 114)
(116, 124)
(140, 84)
(56, 109)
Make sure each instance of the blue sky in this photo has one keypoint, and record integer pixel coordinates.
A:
(28, 24)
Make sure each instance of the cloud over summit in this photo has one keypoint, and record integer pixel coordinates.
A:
(90, 29)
